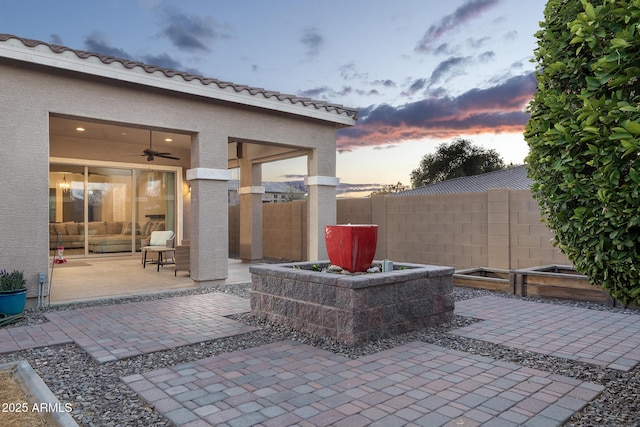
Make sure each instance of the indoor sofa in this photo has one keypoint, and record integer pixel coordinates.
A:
(104, 236)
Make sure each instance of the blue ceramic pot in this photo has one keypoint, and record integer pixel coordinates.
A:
(13, 302)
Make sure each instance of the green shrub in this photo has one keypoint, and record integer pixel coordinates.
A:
(584, 138)
(11, 281)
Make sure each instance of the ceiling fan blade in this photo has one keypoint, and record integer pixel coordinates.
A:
(151, 154)
(167, 156)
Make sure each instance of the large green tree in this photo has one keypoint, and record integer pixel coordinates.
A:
(584, 137)
(459, 158)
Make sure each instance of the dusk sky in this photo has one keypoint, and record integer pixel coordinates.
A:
(422, 72)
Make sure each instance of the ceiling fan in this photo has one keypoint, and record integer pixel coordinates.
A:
(151, 154)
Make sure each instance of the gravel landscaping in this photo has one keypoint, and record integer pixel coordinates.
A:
(99, 398)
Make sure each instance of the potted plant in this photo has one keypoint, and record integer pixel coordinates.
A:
(13, 292)
(351, 246)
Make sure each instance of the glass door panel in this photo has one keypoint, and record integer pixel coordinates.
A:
(155, 202)
(108, 202)
(66, 208)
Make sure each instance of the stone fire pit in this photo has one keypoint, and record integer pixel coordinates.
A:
(352, 308)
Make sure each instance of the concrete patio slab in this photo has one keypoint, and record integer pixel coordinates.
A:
(288, 383)
(87, 279)
(601, 338)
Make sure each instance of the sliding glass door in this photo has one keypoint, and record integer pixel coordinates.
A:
(100, 210)
(155, 201)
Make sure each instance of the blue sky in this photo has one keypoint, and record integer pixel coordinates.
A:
(422, 72)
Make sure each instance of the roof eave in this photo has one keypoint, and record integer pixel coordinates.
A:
(43, 55)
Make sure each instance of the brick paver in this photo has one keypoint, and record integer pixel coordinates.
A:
(289, 383)
(601, 338)
(120, 331)
(24, 337)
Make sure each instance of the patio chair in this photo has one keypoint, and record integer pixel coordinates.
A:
(160, 242)
(183, 257)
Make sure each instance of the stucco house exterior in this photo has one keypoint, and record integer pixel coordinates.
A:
(73, 129)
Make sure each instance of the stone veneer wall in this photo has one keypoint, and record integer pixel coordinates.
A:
(352, 308)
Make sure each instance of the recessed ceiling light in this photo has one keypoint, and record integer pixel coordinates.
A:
(168, 140)
(80, 129)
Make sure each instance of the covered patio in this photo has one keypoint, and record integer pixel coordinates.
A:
(82, 279)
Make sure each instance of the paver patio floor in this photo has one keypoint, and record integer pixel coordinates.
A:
(120, 331)
(601, 338)
(288, 383)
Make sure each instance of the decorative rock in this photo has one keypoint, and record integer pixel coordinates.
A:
(75, 378)
(374, 269)
(335, 269)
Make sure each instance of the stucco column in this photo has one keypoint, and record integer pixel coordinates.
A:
(250, 192)
(321, 185)
(321, 205)
(209, 213)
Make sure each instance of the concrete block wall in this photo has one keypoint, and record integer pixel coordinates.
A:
(531, 241)
(438, 229)
(500, 228)
(354, 211)
(284, 230)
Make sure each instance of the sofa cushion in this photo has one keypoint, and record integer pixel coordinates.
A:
(158, 226)
(126, 228)
(97, 228)
(72, 228)
(114, 227)
(60, 229)
(144, 228)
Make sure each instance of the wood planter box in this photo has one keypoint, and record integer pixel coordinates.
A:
(558, 281)
(492, 279)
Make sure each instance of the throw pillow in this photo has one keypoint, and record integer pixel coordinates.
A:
(60, 229)
(126, 228)
(72, 228)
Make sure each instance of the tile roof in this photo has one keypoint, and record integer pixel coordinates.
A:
(514, 178)
(109, 61)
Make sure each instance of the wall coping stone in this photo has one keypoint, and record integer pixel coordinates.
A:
(356, 281)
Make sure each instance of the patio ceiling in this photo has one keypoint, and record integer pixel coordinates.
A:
(99, 131)
(258, 151)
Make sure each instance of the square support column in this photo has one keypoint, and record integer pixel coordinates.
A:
(209, 215)
(250, 192)
(321, 205)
